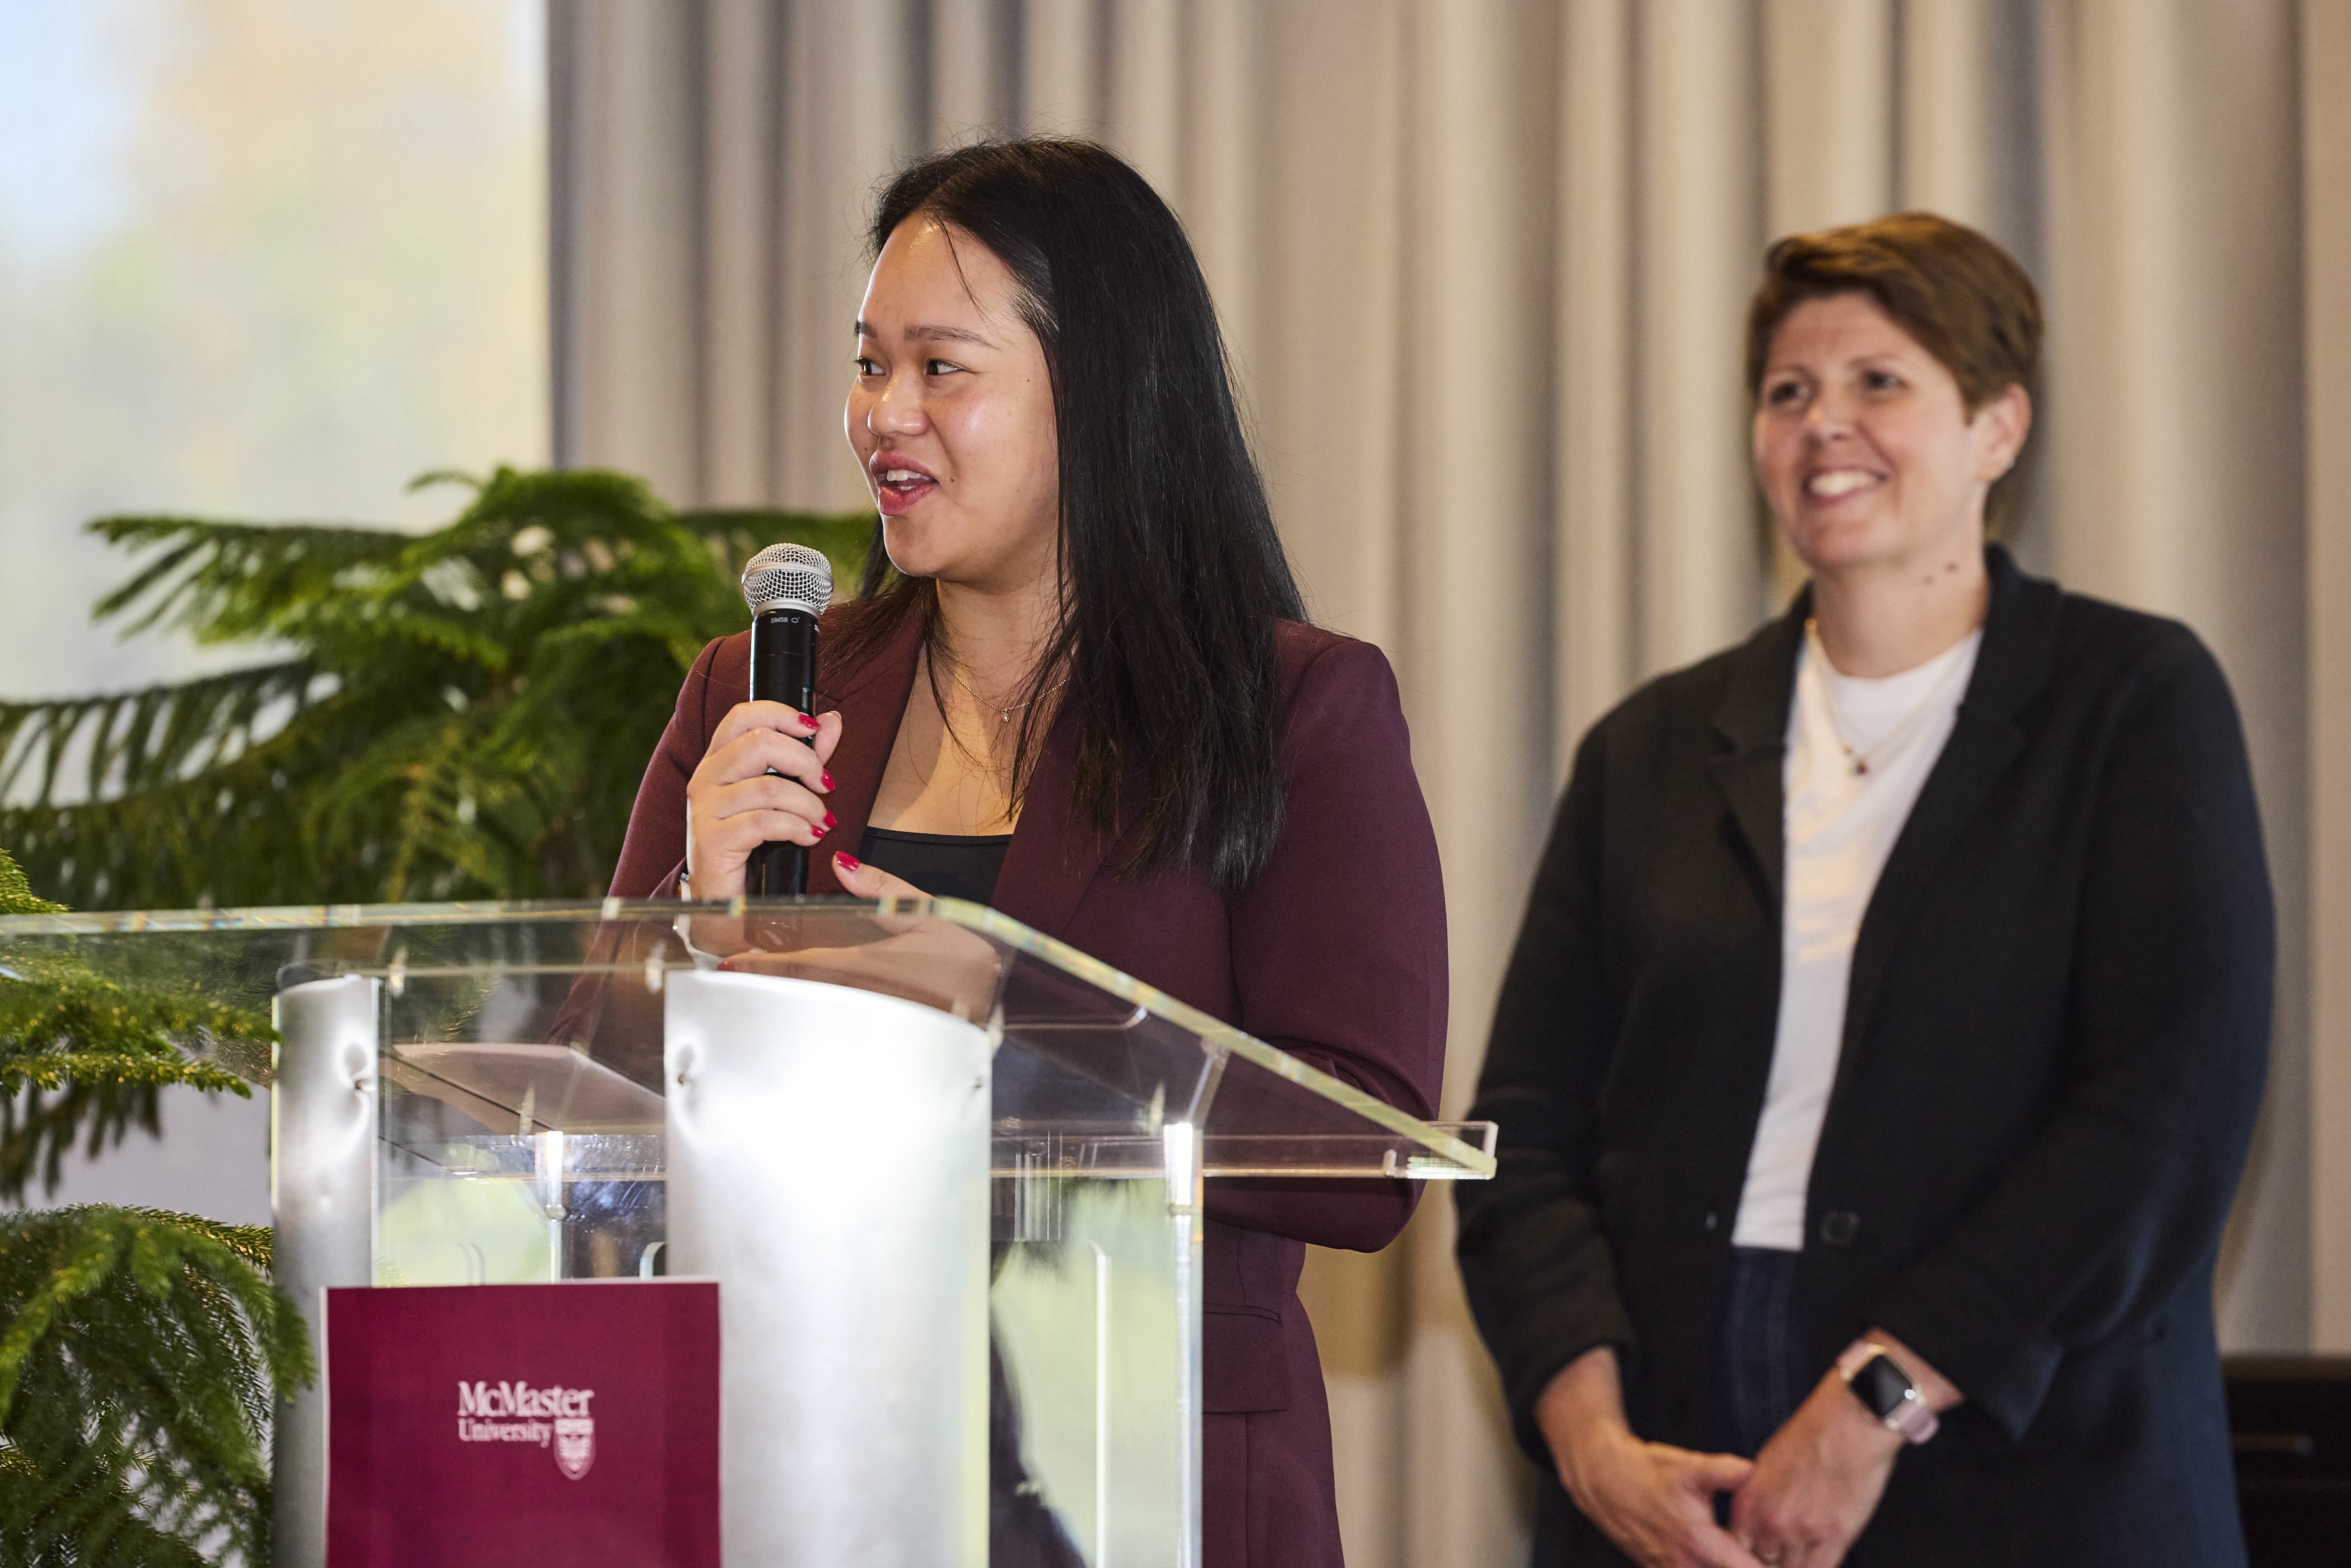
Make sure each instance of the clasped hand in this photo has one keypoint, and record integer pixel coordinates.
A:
(1799, 1503)
(1816, 1482)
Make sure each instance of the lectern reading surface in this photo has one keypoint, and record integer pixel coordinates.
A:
(921, 1147)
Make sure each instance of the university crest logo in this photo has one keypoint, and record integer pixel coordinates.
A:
(575, 1445)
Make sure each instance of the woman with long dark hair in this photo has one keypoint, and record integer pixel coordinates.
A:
(1079, 685)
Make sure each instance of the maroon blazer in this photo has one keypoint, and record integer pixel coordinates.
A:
(1335, 954)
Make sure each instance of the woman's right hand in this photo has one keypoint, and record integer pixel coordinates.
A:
(1653, 1501)
(734, 803)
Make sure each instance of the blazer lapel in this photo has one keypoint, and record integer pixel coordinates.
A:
(1752, 719)
(2011, 664)
(1053, 859)
(872, 700)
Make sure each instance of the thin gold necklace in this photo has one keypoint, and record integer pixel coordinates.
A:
(1003, 714)
(1858, 761)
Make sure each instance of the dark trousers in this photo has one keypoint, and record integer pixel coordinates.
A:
(1760, 1373)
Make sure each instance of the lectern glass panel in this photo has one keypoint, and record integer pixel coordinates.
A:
(483, 1094)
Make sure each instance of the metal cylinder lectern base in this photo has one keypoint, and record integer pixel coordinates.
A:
(828, 1155)
(322, 1136)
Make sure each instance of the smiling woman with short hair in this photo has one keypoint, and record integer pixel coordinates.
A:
(1883, 1042)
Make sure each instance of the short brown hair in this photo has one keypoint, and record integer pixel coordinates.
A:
(1967, 302)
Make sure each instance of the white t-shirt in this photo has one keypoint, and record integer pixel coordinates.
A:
(1858, 753)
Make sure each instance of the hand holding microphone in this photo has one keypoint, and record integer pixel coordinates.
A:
(756, 802)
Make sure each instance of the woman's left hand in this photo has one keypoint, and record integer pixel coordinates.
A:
(935, 962)
(862, 881)
(1816, 1483)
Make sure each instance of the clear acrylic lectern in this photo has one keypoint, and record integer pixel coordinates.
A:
(922, 1149)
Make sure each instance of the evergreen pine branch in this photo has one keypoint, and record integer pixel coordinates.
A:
(85, 1514)
(142, 1356)
(83, 1060)
(16, 895)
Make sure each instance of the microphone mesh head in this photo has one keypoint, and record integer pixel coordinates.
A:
(788, 577)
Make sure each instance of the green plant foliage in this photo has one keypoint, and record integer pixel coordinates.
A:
(16, 895)
(140, 1352)
(460, 713)
(141, 1356)
(83, 1058)
(463, 712)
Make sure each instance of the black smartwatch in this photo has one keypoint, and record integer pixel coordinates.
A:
(1885, 1389)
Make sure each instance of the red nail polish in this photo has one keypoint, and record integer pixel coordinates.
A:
(828, 779)
(806, 723)
(847, 862)
(828, 819)
(815, 830)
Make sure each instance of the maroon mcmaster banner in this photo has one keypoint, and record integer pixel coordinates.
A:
(505, 1424)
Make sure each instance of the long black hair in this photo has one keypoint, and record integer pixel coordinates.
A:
(1174, 575)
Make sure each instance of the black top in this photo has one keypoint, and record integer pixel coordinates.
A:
(945, 865)
(2054, 1048)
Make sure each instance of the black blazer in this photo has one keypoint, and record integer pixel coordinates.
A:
(2053, 1050)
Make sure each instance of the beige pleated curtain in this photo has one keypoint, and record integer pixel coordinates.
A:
(1482, 264)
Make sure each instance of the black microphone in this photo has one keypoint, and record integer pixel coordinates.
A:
(786, 587)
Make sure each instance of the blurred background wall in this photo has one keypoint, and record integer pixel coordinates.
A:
(1481, 263)
(258, 258)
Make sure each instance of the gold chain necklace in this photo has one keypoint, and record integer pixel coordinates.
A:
(1858, 761)
(1003, 714)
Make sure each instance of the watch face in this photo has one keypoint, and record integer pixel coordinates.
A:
(1882, 1386)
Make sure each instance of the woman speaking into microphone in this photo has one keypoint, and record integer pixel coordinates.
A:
(1079, 686)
